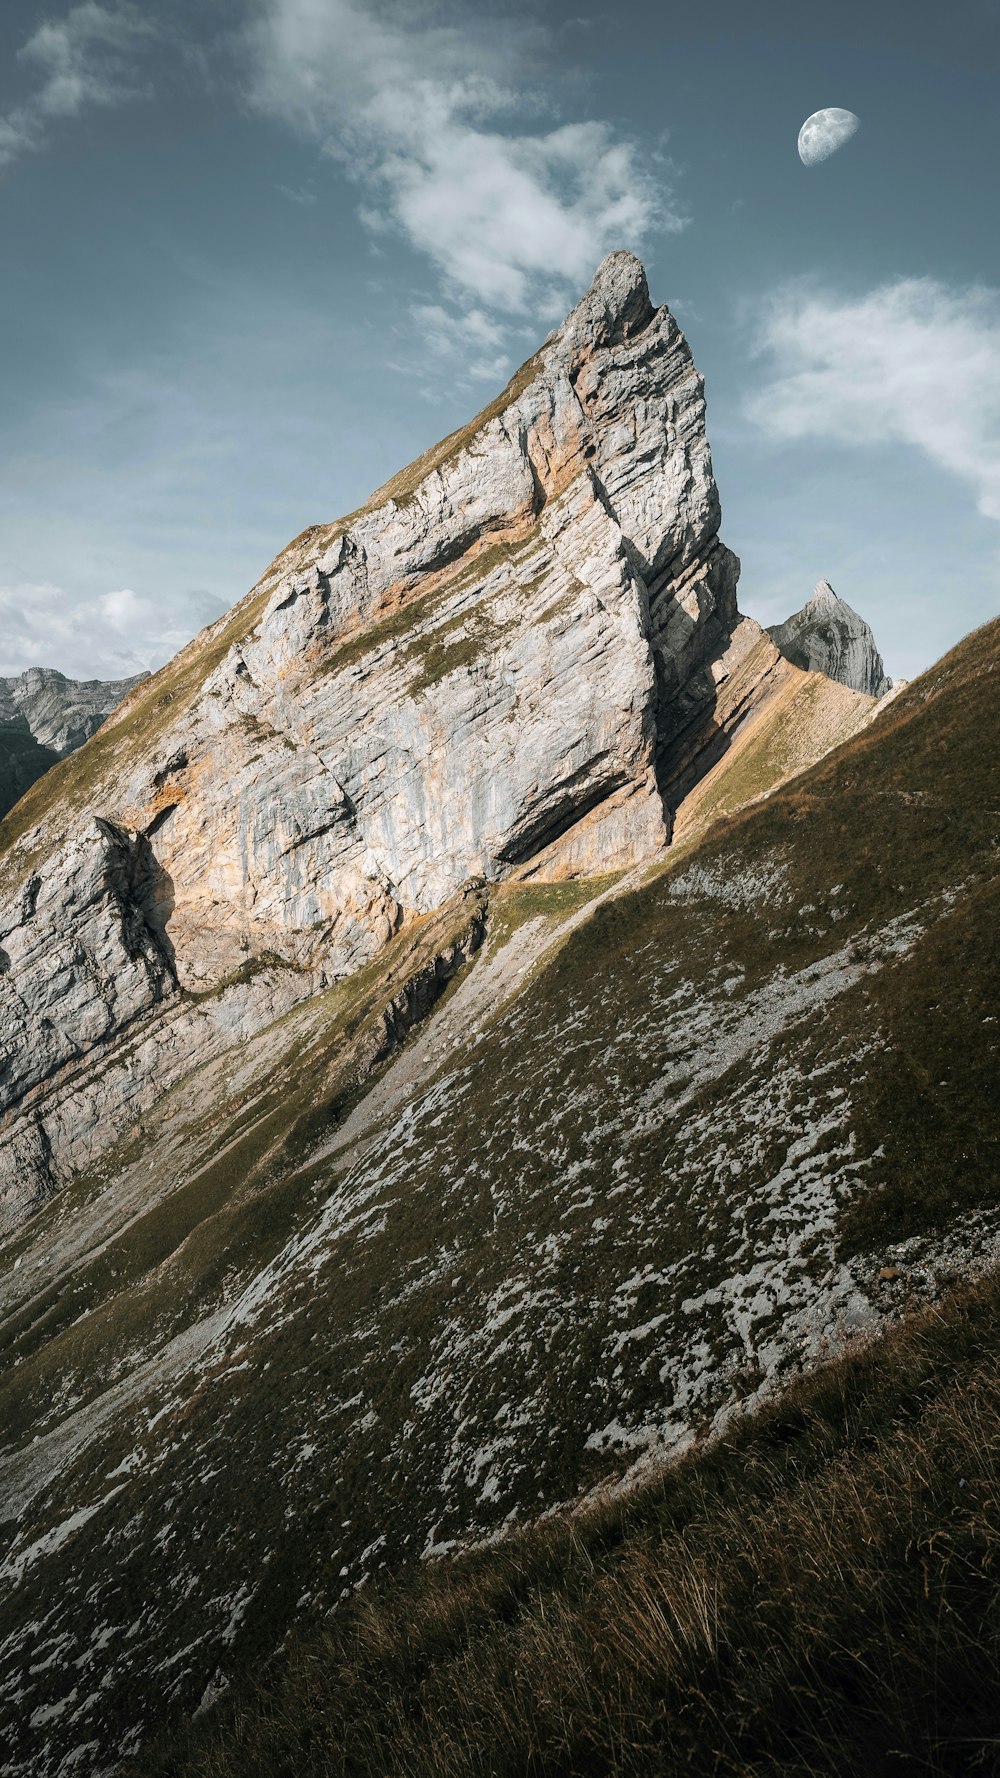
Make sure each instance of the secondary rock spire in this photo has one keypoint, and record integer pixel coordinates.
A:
(828, 636)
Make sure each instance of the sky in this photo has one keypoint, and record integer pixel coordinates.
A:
(258, 254)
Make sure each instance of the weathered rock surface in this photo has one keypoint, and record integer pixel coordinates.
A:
(491, 665)
(827, 636)
(516, 659)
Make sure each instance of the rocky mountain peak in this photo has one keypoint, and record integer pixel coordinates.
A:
(380, 1102)
(616, 307)
(828, 636)
(44, 716)
(515, 660)
(61, 713)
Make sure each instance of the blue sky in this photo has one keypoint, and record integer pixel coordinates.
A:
(258, 253)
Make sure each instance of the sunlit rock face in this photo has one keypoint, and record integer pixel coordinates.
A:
(827, 636)
(447, 684)
(504, 663)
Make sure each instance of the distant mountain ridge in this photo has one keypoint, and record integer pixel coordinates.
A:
(61, 713)
(43, 717)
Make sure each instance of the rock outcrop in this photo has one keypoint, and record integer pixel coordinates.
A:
(489, 666)
(827, 636)
(516, 659)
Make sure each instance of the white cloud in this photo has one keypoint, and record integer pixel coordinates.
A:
(914, 361)
(431, 121)
(110, 637)
(79, 61)
(473, 345)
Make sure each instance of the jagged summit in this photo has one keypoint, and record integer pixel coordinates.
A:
(828, 636)
(617, 305)
(515, 660)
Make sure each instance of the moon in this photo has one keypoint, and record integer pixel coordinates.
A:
(824, 132)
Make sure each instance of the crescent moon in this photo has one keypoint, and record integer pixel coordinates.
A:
(824, 132)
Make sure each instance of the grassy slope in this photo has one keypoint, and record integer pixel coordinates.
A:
(814, 1594)
(234, 1189)
(521, 1258)
(809, 716)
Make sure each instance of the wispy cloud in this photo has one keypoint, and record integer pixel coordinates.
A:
(914, 361)
(454, 146)
(109, 637)
(475, 339)
(74, 63)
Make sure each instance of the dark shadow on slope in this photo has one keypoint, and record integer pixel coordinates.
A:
(23, 760)
(691, 736)
(155, 899)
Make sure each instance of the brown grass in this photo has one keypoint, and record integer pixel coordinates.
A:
(814, 1594)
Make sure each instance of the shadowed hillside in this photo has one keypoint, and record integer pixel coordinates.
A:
(813, 1594)
(495, 1222)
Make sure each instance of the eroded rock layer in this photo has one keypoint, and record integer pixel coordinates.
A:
(489, 666)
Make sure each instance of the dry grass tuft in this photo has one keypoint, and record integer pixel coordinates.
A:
(814, 1594)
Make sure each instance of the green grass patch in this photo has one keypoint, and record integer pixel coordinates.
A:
(512, 905)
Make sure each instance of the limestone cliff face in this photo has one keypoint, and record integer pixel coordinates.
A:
(828, 636)
(450, 682)
(506, 662)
